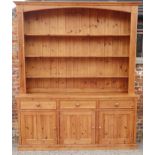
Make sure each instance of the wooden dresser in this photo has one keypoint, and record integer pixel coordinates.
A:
(77, 64)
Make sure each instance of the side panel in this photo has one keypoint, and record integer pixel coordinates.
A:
(132, 52)
(21, 49)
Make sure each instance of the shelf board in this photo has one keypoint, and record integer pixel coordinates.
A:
(107, 95)
(31, 56)
(59, 77)
(71, 90)
(77, 35)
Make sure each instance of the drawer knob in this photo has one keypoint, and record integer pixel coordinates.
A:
(77, 104)
(99, 127)
(116, 104)
(38, 105)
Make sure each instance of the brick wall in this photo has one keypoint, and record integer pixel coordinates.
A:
(15, 78)
(139, 92)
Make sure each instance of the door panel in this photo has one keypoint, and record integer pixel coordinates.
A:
(77, 127)
(28, 128)
(46, 127)
(116, 127)
(38, 128)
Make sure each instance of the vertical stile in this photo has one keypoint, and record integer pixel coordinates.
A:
(21, 49)
(132, 52)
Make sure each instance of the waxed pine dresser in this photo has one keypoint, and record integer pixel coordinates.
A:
(77, 64)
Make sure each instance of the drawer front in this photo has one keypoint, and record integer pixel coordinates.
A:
(77, 104)
(117, 104)
(38, 105)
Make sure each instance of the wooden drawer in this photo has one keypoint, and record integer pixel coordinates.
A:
(117, 104)
(38, 105)
(77, 104)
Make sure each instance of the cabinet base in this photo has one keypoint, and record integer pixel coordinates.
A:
(76, 147)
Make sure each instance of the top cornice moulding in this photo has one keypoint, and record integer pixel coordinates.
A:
(80, 3)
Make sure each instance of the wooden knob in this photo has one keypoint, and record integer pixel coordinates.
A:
(99, 127)
(116, 104)
(38, 105)
(77, 104)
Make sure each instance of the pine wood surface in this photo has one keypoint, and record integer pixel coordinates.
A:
(72, 95)
(77, 62)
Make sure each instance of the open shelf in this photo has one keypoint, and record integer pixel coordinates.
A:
(76, 67)
(77, 46)
(77, 84)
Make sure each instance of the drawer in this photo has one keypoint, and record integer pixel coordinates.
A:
(77, 104)
(117, 104)
(38, 105)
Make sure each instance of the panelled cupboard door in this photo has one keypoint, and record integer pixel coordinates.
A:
(38, 128)
(116, 127)
(29, 128)
(46, 127)
(77, 127)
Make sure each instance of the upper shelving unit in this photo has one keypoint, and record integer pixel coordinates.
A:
(76, 49)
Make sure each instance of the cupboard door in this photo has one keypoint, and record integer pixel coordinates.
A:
(29, 128)
(46, 128)
(116, 127)
(77, 127)
(38, 128)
